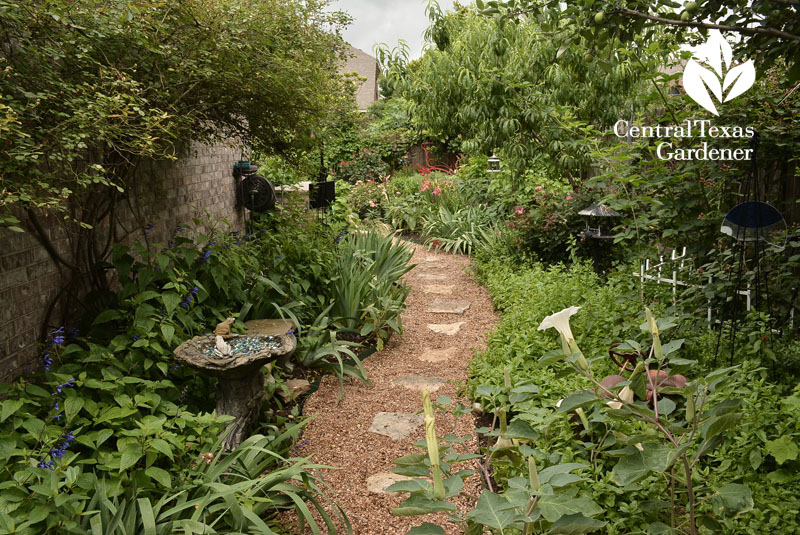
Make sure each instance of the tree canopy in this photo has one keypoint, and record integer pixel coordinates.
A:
(86, 88)
(529, 86)
(769, 29)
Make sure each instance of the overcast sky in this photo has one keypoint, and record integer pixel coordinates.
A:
(386, 21)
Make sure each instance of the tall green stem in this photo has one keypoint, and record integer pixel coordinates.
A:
(433, 446)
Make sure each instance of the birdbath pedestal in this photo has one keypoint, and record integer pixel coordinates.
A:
(241, 383)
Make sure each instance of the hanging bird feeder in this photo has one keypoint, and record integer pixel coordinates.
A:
(594, 215)
(494, 164)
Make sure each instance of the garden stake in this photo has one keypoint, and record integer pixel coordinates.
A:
(433, 446)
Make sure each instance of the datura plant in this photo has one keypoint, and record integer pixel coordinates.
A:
(670, 442)
(635, 420)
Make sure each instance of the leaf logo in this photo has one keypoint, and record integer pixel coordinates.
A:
(698, 81)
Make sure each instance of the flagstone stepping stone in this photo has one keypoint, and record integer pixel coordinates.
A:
(418, 383)
(297, 387)
(433, 277)
(378, 483)
(440, 289)
(395, 425)
(448, 306)
(449, 329)
(276, 327)
(438, 355)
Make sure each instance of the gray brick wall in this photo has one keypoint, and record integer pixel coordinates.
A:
(169, 194)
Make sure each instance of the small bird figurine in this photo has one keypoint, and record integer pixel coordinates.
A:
(223, 349)
(224, 328)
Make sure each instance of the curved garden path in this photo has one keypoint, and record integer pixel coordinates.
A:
(347, 435)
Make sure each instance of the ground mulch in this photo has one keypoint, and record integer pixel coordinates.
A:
(338, 436)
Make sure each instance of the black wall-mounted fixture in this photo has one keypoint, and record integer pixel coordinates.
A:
(253, 191)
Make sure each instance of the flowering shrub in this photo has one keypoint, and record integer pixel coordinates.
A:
(368, 198)
(551, 221)
(363, 166)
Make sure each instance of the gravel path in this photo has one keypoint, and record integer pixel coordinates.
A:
(338, 435)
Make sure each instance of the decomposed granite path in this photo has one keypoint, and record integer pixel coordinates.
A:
(447, 317)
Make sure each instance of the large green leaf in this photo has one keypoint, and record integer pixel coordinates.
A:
(131, 453)
(783, 449)
(495, 512)
(718, 424)
(426, 529)
(521, 429)
(10, 406)
(578, 399)
(629, 469)
(732, 499)
(550, 472)
(567, 503)
(420, 505)
(576, 524)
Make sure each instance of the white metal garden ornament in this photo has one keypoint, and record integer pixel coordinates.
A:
(721, 78)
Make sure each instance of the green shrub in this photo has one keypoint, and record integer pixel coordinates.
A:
(464, 231)
(368, 294)
(364, 165)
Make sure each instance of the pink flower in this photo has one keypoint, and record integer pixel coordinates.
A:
(569, 197)
(519, 210)
(539, 188)
(437, 190)
(372, 204)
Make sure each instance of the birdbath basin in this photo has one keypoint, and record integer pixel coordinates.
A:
(241, 383)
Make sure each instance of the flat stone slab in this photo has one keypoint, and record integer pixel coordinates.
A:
(449, 329)
(419, 383)
(438, 355)
(276, 327)
(378, 483)
(439, 289)
(448, 306)
(396, 425)
(432, 259)
(433, 277)
(297, 387)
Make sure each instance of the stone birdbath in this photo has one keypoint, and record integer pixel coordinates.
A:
(238, 370)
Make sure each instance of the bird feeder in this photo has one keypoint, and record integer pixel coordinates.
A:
(596, 214)
(494, 164)
(240, 381)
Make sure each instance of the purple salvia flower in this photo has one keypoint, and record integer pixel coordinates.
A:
(69, 383)
(47, 464)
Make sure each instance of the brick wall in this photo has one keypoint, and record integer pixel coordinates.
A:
(167, 194)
